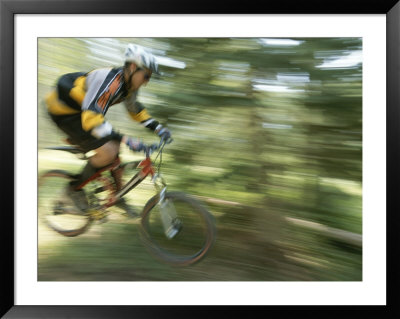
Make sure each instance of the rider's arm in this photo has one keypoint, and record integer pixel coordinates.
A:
(138, 112)
(101, 86)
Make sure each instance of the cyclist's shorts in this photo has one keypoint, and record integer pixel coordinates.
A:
(72, 126)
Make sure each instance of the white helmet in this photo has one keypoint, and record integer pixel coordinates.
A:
(141, 58)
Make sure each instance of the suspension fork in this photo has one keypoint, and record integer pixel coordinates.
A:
(171, 224)
(160, 185)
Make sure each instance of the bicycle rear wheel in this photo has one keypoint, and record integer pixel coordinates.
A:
(55, 209)
(179, 231)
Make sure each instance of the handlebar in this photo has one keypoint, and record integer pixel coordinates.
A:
(149, 149)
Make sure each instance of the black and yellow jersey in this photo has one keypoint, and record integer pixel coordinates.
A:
(91, 94)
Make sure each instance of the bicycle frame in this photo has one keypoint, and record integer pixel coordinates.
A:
(147, 168)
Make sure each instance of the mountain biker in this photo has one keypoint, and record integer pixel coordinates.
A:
(79, 103)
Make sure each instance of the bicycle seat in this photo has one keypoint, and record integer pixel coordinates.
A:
(74, 150)
(70, 149)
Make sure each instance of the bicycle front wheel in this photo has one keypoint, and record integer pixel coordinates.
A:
(179, 230)
(55, 209)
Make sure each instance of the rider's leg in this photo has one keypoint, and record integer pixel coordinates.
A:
(104, 156)
(116, 173)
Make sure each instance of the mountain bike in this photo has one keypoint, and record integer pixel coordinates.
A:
(174, 227)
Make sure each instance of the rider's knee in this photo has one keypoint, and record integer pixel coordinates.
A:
(105, 154)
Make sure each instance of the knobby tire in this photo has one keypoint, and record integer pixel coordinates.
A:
(43, 215)
(166, 256)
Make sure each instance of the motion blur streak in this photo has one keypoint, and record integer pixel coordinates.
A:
(267, 132)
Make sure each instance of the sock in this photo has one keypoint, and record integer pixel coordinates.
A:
(116, 173)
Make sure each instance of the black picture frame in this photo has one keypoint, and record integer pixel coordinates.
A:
(8, 10)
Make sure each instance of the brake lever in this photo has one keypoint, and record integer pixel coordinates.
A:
(165, 141)
(154, 147)
(150, 149)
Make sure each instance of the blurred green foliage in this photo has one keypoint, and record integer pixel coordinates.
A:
(267, 131)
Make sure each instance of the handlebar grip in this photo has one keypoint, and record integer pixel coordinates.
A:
(149, 149)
